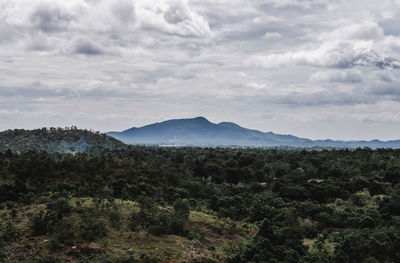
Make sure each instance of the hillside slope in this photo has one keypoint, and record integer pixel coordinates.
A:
(57, 140)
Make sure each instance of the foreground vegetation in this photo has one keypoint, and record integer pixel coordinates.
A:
(150, 204)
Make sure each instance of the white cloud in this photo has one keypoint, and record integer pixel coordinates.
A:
(330, 54)
(366, 30)
(383, 76)
(361, 44)
(143, 61)
(306, 4)
(172, 17)
(46, 24)
(392, 45)
(272, 35)
(50, 17)
(343, 76)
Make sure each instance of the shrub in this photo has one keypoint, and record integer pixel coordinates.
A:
(46, 259)
(161, 222)
(176, 225)
(92, 229)
(91, 226)
(60, 207)
(3, 254)
(134, 221)
(65, 233)
(181, 208)
(39, 224)
(149, 258)
(360, 198)
(42, 258)
(160, 225)
(9, 231)
(114, 217)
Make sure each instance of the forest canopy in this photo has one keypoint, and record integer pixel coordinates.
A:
(302, 206)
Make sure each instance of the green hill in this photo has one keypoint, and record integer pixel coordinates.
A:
(58, 140)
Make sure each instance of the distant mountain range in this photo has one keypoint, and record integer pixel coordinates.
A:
(201, 132)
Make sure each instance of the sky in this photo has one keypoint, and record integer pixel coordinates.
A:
(312, 68)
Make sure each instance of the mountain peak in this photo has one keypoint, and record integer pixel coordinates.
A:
(200, 119)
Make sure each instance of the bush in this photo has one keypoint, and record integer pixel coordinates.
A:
(46, 259)
(3, 254)
(181, 208)
(9, 231)
(176, 225)
(161, 222)
(134, 221)
(149, 258)
(39, 224)
(91, 226)
(97, 259)
(146, 216)
(65, 233)
(360, 198)
(92, 229)
(60, 207)
(114, 217)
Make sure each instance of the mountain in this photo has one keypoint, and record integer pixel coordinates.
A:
(201, 132)
(57, 140)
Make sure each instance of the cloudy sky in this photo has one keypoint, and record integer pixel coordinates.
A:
(312, 68)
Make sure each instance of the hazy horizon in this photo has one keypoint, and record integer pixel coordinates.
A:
(316, 69)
